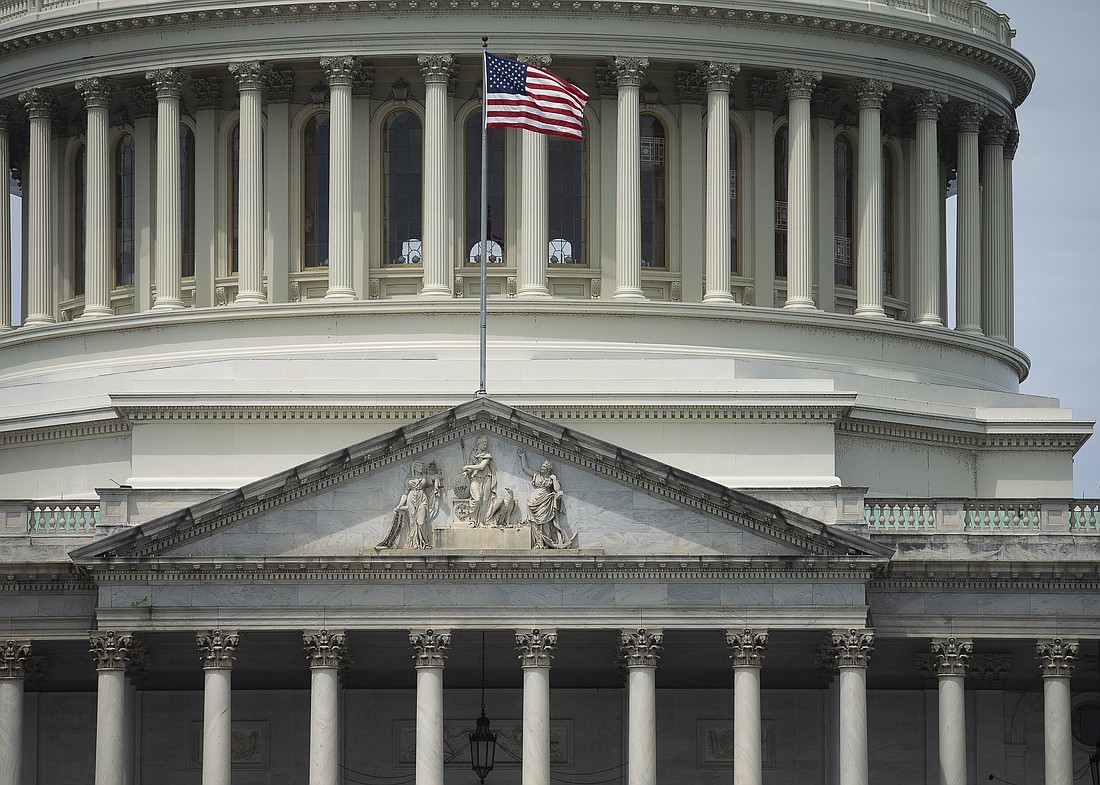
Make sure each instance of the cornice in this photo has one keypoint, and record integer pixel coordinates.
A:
(969, 438)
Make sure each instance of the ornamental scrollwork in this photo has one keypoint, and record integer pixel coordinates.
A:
(747, 648)
(437, 69)
(96, 91)
(1056, 656)
(207, 92)
(39, 102)
(339, 71)
(969, 117)
(629, 71)
(536, 648)
(870, 93)
(719, 76)
(167, 82)
(251, 75)
(111, 650)
(951, 656)
(326, 649)
(800, 84)
(927, 104)
(995, 129)
(538, 61)
(689, 86)
(13, 659)
(853, 648)
(641, 648)
(761, 93)
(218, 648)
(430, 648)
(1012, 141)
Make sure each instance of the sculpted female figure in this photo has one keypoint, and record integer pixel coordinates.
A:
(544, 505)
(482, 483)
(418, 506)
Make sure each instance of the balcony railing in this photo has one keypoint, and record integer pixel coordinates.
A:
(63, 518)
(1020, 516)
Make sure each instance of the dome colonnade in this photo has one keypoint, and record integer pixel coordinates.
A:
(671, 197)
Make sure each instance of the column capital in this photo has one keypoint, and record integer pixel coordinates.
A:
(167, 82)
(1056, 656)
(718, 76)
(339, 71)
(951, 656)
(218, 648)
(995, 129)
(870, 93)
(96, 91)
(800, 84)
(430, 648)
(969, 117)
(207, 92)
(7, 116)
(539, 61)
(629, 71)
(39, 102)
(762, 93)
(536, 647)
(111, 650)
(746, 647)
(437, 68)
(853, 647)
(641, 648)
(326, 649)
(927, 104)
(13, 659)
(251, 75)
(1012, 141)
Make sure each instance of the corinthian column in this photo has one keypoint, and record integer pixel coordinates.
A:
(13, 671)
(218, 649)
(536, 649)
(746, 649)
(951, 657)
(339, 71)
(994, 132)
(534, 233)
(852, 650)
(111, 652)
(251, 77)
(1056, 656)
(430, 653)
(1011, 143)
(437, 70)
(39, 103)
(97, 199)
(968, 246)
(718, 77)
(169, 234)
(640, 651)
(870, 249)
(629, 72)
(800, 276)
(7, 122)
(327, 652)
(926, 300)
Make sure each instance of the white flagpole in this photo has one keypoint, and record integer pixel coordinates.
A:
(483, 249)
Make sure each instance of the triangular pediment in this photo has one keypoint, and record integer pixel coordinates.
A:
(472, 479)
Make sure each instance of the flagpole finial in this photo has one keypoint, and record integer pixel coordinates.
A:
(484, 42)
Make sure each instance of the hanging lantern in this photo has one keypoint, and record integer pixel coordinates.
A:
(483, 747)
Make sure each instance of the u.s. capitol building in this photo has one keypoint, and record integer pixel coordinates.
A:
(750, 495)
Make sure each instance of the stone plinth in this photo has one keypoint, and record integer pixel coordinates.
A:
(484, 539)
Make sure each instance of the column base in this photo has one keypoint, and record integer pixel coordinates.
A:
(39, 321)
(534, 293)
(800, 304)
(436, 293)
(166, 304)
(341, 295)
(95, 313)
(6, 328)
(929, 321)
(970, 330)
(629, 294)
(719, 297)
(871, 312)
(249, 299)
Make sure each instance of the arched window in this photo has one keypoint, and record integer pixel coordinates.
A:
(124, 211)
(782, 143)
(402, 183)
(654, 192)
(234, 191)
(187, 200)
(568, 181)
(315, 191)
(733, 199)
(888, 222)
(496, 195)
(80, 218)
(843, 207)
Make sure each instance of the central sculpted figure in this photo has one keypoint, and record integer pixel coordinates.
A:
(479, 471)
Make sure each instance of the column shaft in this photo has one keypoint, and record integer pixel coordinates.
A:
(993, 229)
(1057, 735)
(642, 726)
(536, 727)
(929, 211)
(110, 741)
(952, 714)
(1010, 255)
(747, 761)
(169, 228)
(98, 222)
(628, 225)
(341, 285)
(217, 726)
(11, 730)
(324, 726)
(853, 726)
(250, 215)
(39, 248)
(6, 261)
(429, 726)
(534, 230)
(718, 249)
(800, 85)
(968, 246)
(870, 240)
(437, 70)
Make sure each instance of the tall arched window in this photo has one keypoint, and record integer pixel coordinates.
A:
(315, 191)
(234, 192)
(843, 212)
(402, 184)
(496, 195)
(124, 211)
(187, 201)
(733, 199)
(888, 222)
(782, 142)
(654, 192)
(80, 218)
(568, 181)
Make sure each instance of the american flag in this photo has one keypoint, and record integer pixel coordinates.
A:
(519, 95)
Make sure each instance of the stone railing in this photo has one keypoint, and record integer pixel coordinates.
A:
(1024, 516)
(63, 518)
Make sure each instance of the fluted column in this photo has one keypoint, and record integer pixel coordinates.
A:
(40, 308)
(926, 299)
(339, 71)
(169, 230)
(968, 246)
(870, 250)
(437, 70)
(1011, 144)
(251, 78)
(13, 671)
(327, 652)
(746, 649)
(800, 276)
(218, 649)
(7, 123)
(853, 650)
(536, 649)
(629, 72)
(111, 652)
(718, 77)
(640, 650)
(97, 200)
(1056, 656)
(430, 653)
(951, 657)
(534, 224)
(994, 131)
